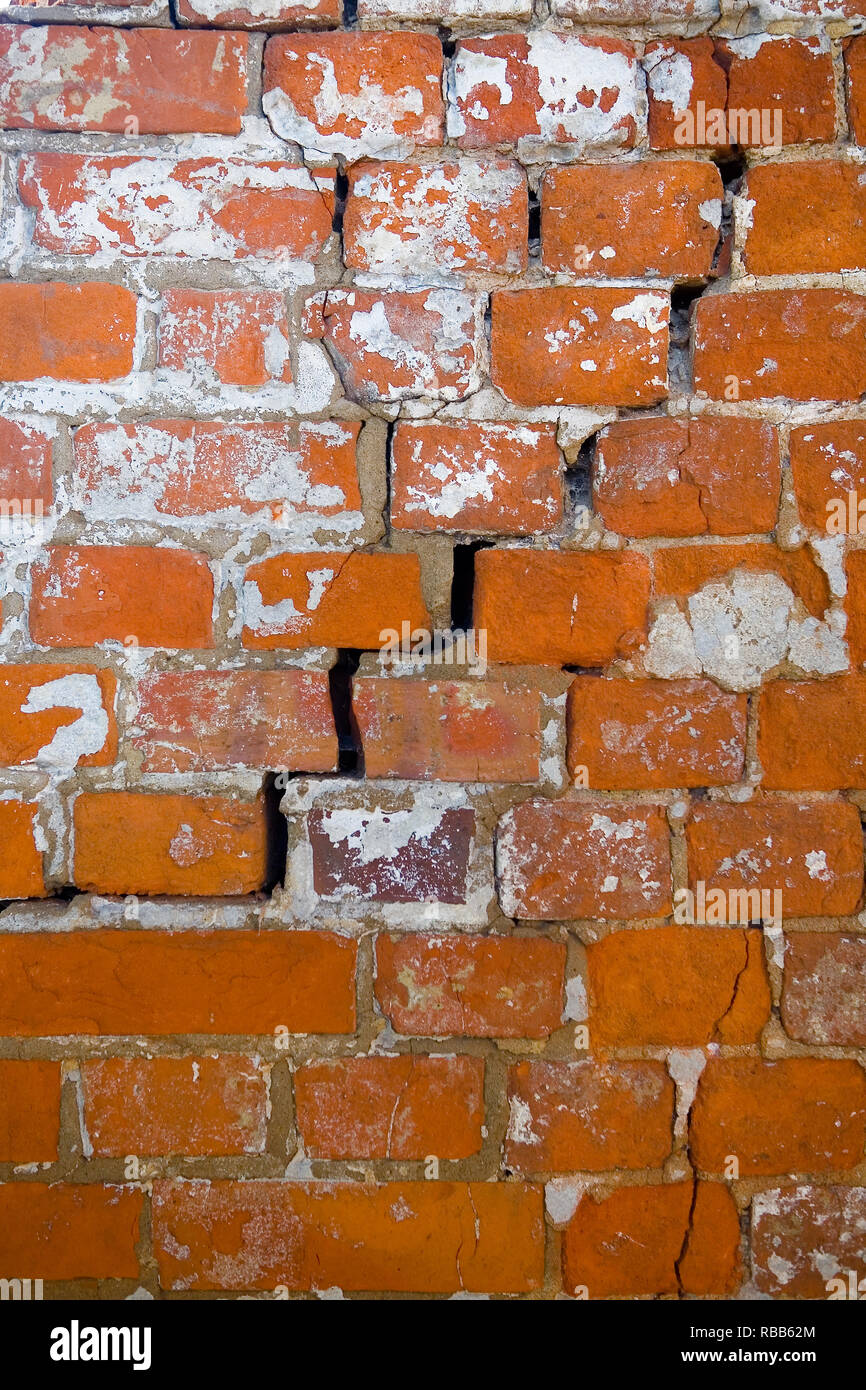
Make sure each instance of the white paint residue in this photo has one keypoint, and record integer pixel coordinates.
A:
(380, 834)
(86, 735)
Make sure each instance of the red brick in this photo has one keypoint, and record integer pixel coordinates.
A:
(653, 733)
(192, 468)
(680, 74)
(811, 852)
(392, 345)
(412, 219)
(679, 571)
(812, 734)
(62, 1231)
(805, 1238)
(84, 595)
(157, 983)
(340, 599)
(806, 218)
(790, 75)
(240, 335)
(855, 69)
(258, 14)
(29, 1112)
(671, 1239)
(392, 855)
(544, 88)
(489, 478)
(471, 986)
(814, 337)
(677, 987)
(595, 346)
(202, 721)
(222, 209)
(25, 465)
(421, 1237)
(65, 77)
(588, 1116)
(637, 219)
(406, 1107)
(451, 731)
(824, 993)
(37, 702)
(73, 332)
(21, 865)
(354, 93)
(135, 842)
(711, 475)
(828, 460)
(559, 860)
(549, 608)
(168, 1105)
(799, 1115)
(855, 605)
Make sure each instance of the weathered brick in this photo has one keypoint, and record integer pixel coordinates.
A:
(416, 219)
(444, 11)
(72, 332)
(793, 76)
(855, 605)
(549, 608)
(332, 599)
(354, 93)
(711, 475)
(406, 1107)
(57, 716)
(649, 219)
(65, 1231)
(391, 855)
(680, 74)
(679, 571)
(21, 865)
(803, 1114)
(29, 1112)
(677, 987)
(828, 461)
(490, 478)
(824, 991)
(259, 14)
(471, 986)
(135, 594)
(812, 853)
(806, 218)
(453, 731)
(812, 734)
(242, 336)
(671, 1239)
(175, 1105)
(26, 452)
(804, 1238)
(855, 69)
(125, 983)
(130, 81)
(410, 1237)
(202, 721)
(595, 346)
(588, 1116)
(558, 860)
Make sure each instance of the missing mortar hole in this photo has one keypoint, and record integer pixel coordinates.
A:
(449, 45)
(341, 190)
(350, 12)
(534, 222)
(463, 583)
(276, 835)
(350, 756)
(578, 479)
(682, 299)
(732, 166)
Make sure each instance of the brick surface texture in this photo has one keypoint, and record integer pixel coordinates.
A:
(433, 648)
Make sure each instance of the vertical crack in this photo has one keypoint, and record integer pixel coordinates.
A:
(351, 753)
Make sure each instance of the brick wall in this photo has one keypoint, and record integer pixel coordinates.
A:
(532, 965)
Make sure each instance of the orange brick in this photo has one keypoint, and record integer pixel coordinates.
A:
(653, 733)
(824, 991)
(811, 853)
(355, 93)
(158, 469)
(159, 983)
(21, 865)
(677, 987)
(661, 477)
(489, 478)
(594, 346)
(391, 1107)
(339, 599)
(559, 860)
(74, 332)
(639, 219)
(29, 1112)
(789, 75)
(855, 605)
(168, 1105)
(812, 734)
(681, 570)
(799, 1235)
(471, 986)
(828, 461)
(61, 1231)
(806, 218)
(803, 1114)
(241, 335)
(548, 608)
(806, 344)
(37, 703)
(25, 465)
(855, 69)
(407, 219)
(135, 594)
(425, 1237)
(135, 842)
(680, 74)
(66, 77)
(671, 1239)
(588, 1116)
(452, 731)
